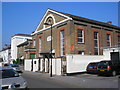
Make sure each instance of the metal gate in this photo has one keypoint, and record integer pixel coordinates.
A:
(115, 56)
(63, 65)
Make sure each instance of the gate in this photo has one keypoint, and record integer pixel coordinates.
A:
(63, 65)
(114, 56)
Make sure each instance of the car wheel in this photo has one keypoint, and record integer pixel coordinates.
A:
(114, 73)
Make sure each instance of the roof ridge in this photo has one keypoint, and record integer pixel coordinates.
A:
(75, 17)
(21, 34)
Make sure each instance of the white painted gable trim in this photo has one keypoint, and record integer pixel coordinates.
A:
(49, 26)
(46, 14)
(50, 15)
(59, 14)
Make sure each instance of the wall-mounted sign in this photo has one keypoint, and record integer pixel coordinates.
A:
(72, 47)
(49, 38)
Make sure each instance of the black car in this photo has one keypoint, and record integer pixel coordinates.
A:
(92, 67)
(109, 68)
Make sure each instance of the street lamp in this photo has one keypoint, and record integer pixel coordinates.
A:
(51, 48)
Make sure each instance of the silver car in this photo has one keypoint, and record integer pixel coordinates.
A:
(11, 79)
(15, 67)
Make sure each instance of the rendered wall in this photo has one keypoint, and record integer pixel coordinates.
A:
(15, 41)
(78, 63)
(5, 56)
(35, 65)
(106, 53)
(56, 66)
(28, 65)
(1, 64)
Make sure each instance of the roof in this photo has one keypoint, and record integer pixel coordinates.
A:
(6, 48)
(78, 18)
(24, 43)
(19, 34)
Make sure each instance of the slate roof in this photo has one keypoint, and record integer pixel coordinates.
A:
(78, 18)
(19, 34)
(24, 43)
(6, 47)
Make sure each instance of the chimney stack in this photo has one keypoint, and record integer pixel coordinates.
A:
(109, 22)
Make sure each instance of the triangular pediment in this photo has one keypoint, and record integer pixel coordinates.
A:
(51, 15)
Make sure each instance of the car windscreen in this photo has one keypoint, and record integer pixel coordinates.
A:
(14, 65)
(8, 73)
(92, 64)
(104, 63)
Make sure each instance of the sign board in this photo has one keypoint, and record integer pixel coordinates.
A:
(49, 38)
(72, 47)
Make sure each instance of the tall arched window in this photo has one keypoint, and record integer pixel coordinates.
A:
(49, 19)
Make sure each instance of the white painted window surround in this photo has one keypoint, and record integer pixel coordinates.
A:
(49, 10)
(96, 43)
(62, 42)
(80, 34)
(40, 44)
(50, 15)
(108, 40)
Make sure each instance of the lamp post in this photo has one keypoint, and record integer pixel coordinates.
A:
(50, 48)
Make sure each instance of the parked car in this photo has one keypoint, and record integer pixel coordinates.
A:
(108, 68)
(92, 67)
(11, 79)
(15, 67)
(6, 65)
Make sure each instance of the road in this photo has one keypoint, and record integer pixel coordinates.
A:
(39, 80)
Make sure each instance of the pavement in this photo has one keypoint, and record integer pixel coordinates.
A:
(81, 80)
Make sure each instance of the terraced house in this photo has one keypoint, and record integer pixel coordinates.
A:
(73, 35)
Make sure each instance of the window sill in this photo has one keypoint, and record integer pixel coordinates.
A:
(81, 43)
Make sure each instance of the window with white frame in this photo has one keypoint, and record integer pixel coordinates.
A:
(40, 44)
(80, 36)
(108, 40)
(62, 46)
(96, 43)
(119, 40)
(81, 52)
(34, 43)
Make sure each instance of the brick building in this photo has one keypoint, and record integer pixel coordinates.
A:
(22, 49)
(73, 35)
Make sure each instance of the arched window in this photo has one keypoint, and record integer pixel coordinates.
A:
(49, 19)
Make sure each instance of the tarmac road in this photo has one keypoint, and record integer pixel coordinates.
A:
(40, 80)
(37, 80)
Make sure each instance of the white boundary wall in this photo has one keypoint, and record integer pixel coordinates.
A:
(106, 53)
(1, 64)
(28, 65)
(56, 66)
(35, 65)
(78, 63)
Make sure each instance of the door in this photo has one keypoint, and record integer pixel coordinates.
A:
(114, 56)
(32, 56)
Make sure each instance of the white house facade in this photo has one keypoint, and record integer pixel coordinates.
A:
(5, 54)
(15, 41)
